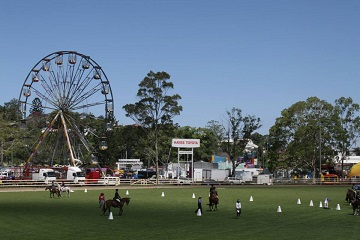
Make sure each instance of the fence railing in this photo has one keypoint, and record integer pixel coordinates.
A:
(152, 182)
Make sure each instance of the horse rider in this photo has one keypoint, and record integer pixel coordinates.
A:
(213, 192)
(117, 196)
(212, 189)
(52, 186)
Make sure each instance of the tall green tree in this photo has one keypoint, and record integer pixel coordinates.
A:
(302, 135)
(348, 129)
(36, 107)
(239, 129)
(155, 108)
(11, 110)
(218, 131)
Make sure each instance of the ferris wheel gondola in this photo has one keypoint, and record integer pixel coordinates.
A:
(64, 85)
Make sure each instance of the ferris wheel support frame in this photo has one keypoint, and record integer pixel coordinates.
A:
(40, 140)
(68, 143)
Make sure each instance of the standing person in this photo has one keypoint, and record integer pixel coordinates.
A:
(199, 205)
(101, 199)
(326, 203)
(117, 196)
(238, 208)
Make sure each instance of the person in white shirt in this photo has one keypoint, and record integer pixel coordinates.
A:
(238, 208)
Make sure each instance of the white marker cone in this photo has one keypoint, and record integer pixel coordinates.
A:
(311, 203)
(163, 194)
(320, 204)
(111, 216)
(193, 196)
(299, 202)
(279, 209)
(198, 213)
(338, 207)
(127, 192)
(251, 199)
(85, 190)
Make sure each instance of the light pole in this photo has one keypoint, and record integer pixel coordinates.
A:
(320, 149)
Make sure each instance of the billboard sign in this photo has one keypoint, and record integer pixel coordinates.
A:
(185, 143)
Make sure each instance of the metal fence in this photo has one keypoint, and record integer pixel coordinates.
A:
(168, 182)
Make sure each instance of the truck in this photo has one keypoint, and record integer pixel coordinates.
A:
(247, 174)
(75, 174)
(6, 174)
(44, 174)
(219, 174)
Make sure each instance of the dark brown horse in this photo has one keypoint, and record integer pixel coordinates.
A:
(356, 206)
(115, 204)
(53, 191)
(213, 201)
(351, 195)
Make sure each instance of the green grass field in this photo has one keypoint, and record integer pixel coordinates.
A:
(33, 215)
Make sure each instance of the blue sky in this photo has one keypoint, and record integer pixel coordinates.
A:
(260, 56)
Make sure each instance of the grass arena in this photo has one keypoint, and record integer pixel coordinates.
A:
(168, 213)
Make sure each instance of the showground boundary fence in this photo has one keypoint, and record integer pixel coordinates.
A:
(165, 182)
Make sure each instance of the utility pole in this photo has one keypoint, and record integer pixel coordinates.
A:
(2, 153)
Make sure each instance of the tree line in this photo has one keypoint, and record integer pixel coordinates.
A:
(306, 135)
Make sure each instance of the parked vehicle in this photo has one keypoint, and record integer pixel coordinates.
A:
(234, 180)
(6, 174)
(183, 180)
(265, 179)
(75, 174)
(44, 174)
(219, 174)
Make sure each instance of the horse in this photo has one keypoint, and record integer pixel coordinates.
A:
(115, 204)
(213, 201)
(53, 191)
(350, 195)
(65, 190)
(356, 206)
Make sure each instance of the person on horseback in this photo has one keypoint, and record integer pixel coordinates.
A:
(212, 189)
(52, 186)
(117, 197)
(213, 192)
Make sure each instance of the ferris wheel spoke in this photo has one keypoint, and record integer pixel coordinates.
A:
(45, 98)
(73, 126)
(50, 89)
(85, 106)
(81, 92)
(84, 96)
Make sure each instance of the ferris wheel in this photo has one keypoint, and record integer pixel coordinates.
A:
(65, 85)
